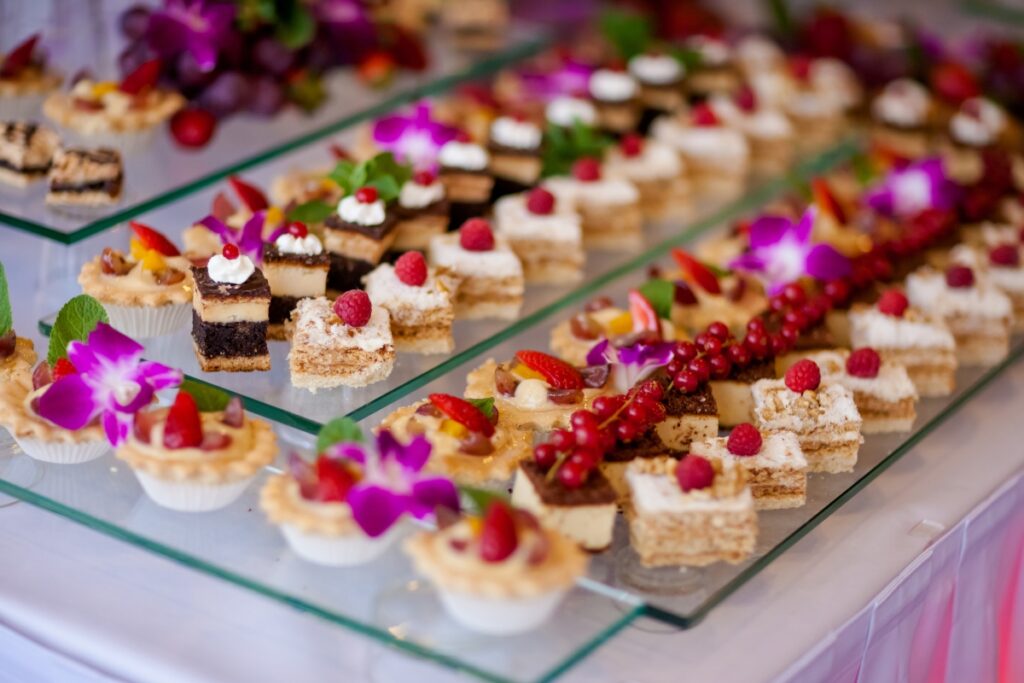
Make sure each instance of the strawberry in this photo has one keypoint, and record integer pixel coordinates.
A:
(251, 196)
(63, 368)
(696, 272)
(645, 318)
(222, 208)
(142, 79)
(193, 127)
(153, 239)
(827, 201)
(334, 480)
(20, 57)
(556, 372)
(498, 538)
(184, 427)
(463, 412)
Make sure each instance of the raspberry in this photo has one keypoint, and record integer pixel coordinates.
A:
(297, 229)
(498, 538)
(1006, 255)
(804, 375)
(463, 412)
(746, 99)
(744, 440)
(476, 235)
(230, 252)
(959, 277)
(694, 472)
(424, 177)
(587, 169)
(366, 195)
(632, 145)
(411, 268)
(863, 362)
(556, 371)
(540, 202)
(800, 67)
(353, 307)
(893, 302)
(703, 115)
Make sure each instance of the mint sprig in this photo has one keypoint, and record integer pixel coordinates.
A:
(477, 500)
(630, 33)
(76, 319)
(484, 405)
(208, 398)
(6, 317)
(564, 147)
(313, 211)
(338, 430)
(660, 294)
(382, 172)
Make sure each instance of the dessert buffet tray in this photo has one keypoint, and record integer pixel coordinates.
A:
(162, 173)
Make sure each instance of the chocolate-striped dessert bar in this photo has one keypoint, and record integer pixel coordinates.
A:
(231, 308)
(296, 267)
(86, 177)
(516, 147)
(357, 236)
(26, 151)
(465, 172)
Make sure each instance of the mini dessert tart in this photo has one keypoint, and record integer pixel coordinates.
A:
(26, 152)
(657, 172)
(976, 312)
(298, 186)
(17, 358)
(689, 417)
(516, 148)
(503, 576)
(147, 292)
(25, 80)
(196, 462)
(584, 512)
(544, 233)
(609, 206)
(347, 343)
(566, 112)
(465, 172)
(296, 267)
(716, 71)
(775, 466)
(615, 95)
(236, 222)
(490, 275)
(419, 300)
(906, 336)
(422, 210)
(472, 442)
(85, 177)
(231, 311)
(572, 339)
(979, 124)
(357, 236)
(769, 132)
(477, 25)
(733, 398)
(717, 157)
(703, 296)
(660, 78)
(535, 391)
(691, 512)
(821, 412)
(902, 118)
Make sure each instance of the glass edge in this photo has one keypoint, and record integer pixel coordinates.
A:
(598, 640)
(690, 619)
(403, 96)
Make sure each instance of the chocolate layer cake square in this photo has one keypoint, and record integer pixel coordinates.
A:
(585, 514)
(732, 394)
(26, 151)
(689, 417)
(354, 250)
(229, 323)
(291, 277)
(85, 177)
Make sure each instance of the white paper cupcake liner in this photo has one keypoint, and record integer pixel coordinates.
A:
(500, 616)
(145, 322)
(62, 453)
(186, 496)
(337, 551)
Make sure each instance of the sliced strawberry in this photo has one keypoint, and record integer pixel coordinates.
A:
(251, 196)
(184, 427)
(556, 371)
(826, 200)
(696, 272)
(153, 239)
(142, 79)
(645, 318)
(20, 57)
(334, 480)
(63, 368)
(498, 538)
(222, 208)
(463, 412)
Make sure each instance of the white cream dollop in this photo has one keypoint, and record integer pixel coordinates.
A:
(713, 52)
(290, 244)
(656, 69)
(416, 196)
(354, 211)
(531, 394)
(510, 132)
(466, 155)
(230, 271)
(612, 86)
(903, 103)
(566, 111)
(977, 123)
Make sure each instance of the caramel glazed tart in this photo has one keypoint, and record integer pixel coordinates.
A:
(160, 105)
(212, 467)
(18, 366)
(22, 422)
(115, 289)
(284, 505)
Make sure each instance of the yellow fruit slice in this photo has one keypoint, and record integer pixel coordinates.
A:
(523, 372)
(453, 428)
(103, 88)
(153, 261)
(620, 324)
(274, 216)
(138, 251)
(476, 525)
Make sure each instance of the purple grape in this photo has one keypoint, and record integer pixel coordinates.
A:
(266, 96)
(133, 56)
(189, 75)
(134, 21)
(320, 54)
(272, 56)
(226, 94)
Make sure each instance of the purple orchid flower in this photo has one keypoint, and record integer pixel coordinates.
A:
(112, 382)
(393, 483)
(781, 251)
(249, 239)
(571, 78)
(414, 138)
(633, 363)
(907, 191)
(198, 27)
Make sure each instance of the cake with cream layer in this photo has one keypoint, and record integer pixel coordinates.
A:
(544, 233)
(231, 311)
(658, 173)
(296, 267)
(421, 314)
(609, 206)
(357, 236)
(491, 282)
(776, 472)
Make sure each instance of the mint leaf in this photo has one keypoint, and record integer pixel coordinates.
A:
(479, 499)
(688, 57)
(781, 16)
(660, 294)
(295, 27)
(208, 398)
(565, 147)
(6, 317)
(484, 405)
(76, 319)
(385, 164)
(338, 430)
(629, 32)
(387, 188)
(313, 211)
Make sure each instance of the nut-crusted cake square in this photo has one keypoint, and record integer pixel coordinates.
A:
(421, 315)
(26, 151)
(609, 207)
(491, 282)
(547, 239)
(777, 473)
(85, 177)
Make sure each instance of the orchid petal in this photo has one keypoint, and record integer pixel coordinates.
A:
(83, 358)
(432, 493)
(802, 230)
(749, 262)
(116, 428)
(158, 376)
(598, 354)
(767, 230)
(825, 263)
(113, 345)
(375, 509)
(68, 403)
(414, 456)
(219, 228)
(390, 128)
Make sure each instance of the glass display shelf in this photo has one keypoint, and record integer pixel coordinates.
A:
(161, 172)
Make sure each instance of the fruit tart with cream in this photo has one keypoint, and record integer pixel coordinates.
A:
(17, 355)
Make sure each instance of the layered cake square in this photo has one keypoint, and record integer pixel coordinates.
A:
(545, 235)
(422, 210)
(689, 416)
(231, 311)
(465, 172)
(356, 237)
(26, 152)
(717, 156)
(693, 512)
(732, 395)
(1001, 263)
(616, 462)
(609, 206)
(85, 177)
(515, 146)
(658, 173)
(419, 301)
(296, 267)
(615, 95)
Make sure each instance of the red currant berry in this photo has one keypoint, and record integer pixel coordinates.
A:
(721, 366)
(571, 475)
(757, 344)
(604, 407)
(700, 367)
(545, 455)
(652, 390)
(297, 229)
(562, 439)
(795, 317)
(738, 354)
(588, 436)
(675, 365)
(230, 252)
(626, 431)
(712, 345)
(720, 330)
(686, 382)
(790, 333)
(778, 343)
(756, 325)
(794, 293)
(686, 351)
(583, 418)
(778, 303)
(838, 291)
